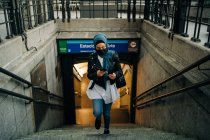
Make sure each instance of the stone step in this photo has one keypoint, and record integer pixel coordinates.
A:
(117, 132)
(85, 116)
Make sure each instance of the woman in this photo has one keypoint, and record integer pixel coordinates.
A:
(103, 70)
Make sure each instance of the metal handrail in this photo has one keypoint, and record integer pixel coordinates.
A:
(200, 84)
(15, 77)
(7, 92)
(11, 93)
(28, 83)
(193, 65)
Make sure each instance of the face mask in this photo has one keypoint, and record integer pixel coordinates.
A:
(101, 52)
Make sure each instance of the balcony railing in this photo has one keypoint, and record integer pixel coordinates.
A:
(189, 18)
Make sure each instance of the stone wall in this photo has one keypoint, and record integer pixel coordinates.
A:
(20, 56)
(160, 58)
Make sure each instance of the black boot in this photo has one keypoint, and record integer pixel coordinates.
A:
(106, 131)
(97, 124)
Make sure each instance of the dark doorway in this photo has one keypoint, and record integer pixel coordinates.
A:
(77, 50)
(67, 62)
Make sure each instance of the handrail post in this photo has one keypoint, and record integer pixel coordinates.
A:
(134, 11)
(129, 11)
(179, 17)
(147, 9)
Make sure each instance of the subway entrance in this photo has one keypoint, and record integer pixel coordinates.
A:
(73, 56)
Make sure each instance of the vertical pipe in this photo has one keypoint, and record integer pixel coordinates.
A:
(57, 8)
(93, 8)
(6, 20)
(167, 24)
(103, 9)
(139, 8)
(147, 9)
(13, 17)
(134, 10)
(160, 4)
(200, 20)
(107, 9)
(77, 7)
(22, 16)
(152, 11)
(27, 15)
(63, 11)
(30, 26)
(32, 17)
(34, 12)
(44, 11)
(11, 14)
(68, 9)
(129, 10)
(196, 22)
(52, 9)
(90, 9)
(180, 16)
(156, 12)
(117, 8)
(187, 20)
(39, 14)
(172, 16)
(121, 9)
(207, 44)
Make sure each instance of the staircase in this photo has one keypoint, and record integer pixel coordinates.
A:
(118, 132)
(85, 116)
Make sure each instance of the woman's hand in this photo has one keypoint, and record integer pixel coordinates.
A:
(100, 73)
(112, 76)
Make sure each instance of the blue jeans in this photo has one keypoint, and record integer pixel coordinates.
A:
(100, 107)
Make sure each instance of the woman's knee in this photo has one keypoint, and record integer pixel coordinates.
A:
(97, 113)
(106, 115)
(97, 107)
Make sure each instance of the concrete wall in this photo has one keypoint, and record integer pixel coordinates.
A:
(98, 11)
(17, 118)
(160, 58)
(98, 25)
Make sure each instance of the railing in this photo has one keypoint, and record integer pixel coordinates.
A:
(11, 93)
(189, 18)
(36, 12)
(5, 19)
(66, 9)
(30, 99)
(6, 72)
(147, 93)
(18, 16)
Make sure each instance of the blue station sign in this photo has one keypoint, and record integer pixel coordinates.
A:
(72, 46)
